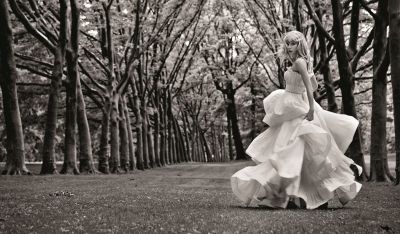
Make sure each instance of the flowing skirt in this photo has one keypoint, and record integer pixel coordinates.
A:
(297, 158)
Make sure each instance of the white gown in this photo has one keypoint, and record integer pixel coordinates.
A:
(297, 158)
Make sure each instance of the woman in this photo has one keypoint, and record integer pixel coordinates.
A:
(300, 156)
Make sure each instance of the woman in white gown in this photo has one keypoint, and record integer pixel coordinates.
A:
(300, 156)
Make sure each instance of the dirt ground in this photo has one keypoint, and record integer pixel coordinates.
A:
(184, 198)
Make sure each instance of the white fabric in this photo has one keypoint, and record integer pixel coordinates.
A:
(297, 158)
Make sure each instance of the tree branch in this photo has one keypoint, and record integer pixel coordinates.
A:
(362, 50)
(33, 70)
(84, 71)
(36, 33)
(366, 7)
(317, 22)
(89, 54)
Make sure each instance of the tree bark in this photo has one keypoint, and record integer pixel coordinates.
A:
(230, 145)
(394, 43)
(49, 141)
(86, 163)
(171, 156)
(206, 146)
(163, 159)
(296, 15)
(48, 151)
(378, 115)
(151, 145)
(214, 147)
(146, 158)
(346, 84)
(123, 131)
(70, 164)
(173, 148)
(181, 143)
(185, 132)
(135, 103)
(15, 163)
(104, 138)
(132, 159)
(354, 24)
(325, 70)
(156, 133)
(232, 115)
(114, 134)
(222, 143)
(165, 130)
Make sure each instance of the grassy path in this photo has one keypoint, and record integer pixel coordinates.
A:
(185, 198)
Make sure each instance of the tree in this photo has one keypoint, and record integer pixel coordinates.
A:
(49, 158)
(325, 69)
(57, 48)
(346, 81)
(70, 159)
(15, 163)
(378, 151)
(394, 45)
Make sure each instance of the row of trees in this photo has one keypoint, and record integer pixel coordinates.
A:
(161, 81)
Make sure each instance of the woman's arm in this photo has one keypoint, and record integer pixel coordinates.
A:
(300, 65)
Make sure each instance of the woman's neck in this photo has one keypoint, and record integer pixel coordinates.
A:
(293, 58)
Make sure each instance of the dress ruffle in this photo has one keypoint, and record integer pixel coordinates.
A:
(297, 158)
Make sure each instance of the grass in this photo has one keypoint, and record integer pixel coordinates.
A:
(185, 198)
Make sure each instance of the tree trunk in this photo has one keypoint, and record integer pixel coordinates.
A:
(325, 70)
(185, 132)
(163, 160)
(195, 137)
(70, 164)
(178, 147)
(174, 144)
(49, 141)
(135, 103)
(281, 73)
(170, 151)
(253, 110)
(296, 15)
(346, 84)
(232, 115)
(132, 159)
(15, 163)
(104, 138)
(146, 158)
(156, 133)
(394, 43)
(222, 145)
(206, 147)
(214, 149)
(165, 130)
(181, 143)
(379, 114)
(230, 144)
(48, 152)
(355, 22)
(114, 134)
(150, 141)
(194, 151)
(200, 143)
(123, 135)
(86, 163)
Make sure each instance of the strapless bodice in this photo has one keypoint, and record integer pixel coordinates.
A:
(294, 82)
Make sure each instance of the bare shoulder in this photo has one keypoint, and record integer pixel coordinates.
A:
(300, 65)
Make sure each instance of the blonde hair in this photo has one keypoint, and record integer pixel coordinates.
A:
(302, 47)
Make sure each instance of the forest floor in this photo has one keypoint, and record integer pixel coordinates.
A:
(183, 198)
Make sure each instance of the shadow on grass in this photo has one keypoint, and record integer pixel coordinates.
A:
(267, 208)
